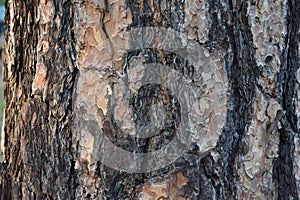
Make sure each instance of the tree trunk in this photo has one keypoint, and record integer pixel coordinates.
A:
(151, 99)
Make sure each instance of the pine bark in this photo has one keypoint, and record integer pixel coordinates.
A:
(61, 58)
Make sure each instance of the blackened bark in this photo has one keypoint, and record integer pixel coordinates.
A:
(42, 154)
(284, 176)
(234, 33)
(40, 161)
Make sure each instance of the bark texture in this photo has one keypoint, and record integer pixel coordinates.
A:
(67, 75)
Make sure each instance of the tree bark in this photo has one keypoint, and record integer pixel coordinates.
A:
(79, 75)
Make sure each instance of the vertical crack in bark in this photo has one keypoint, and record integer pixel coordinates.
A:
(284, 177)
(218, 32)
(66, 43)
(141, 13)
(70, 83)
(242, 75)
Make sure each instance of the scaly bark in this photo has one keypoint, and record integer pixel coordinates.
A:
(63, 61)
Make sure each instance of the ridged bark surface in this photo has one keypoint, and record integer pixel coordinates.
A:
(69, 80)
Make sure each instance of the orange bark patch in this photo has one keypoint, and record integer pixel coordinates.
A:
(166, 189)
(39, 80)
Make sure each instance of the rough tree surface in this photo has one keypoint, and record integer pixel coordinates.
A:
(68, 80)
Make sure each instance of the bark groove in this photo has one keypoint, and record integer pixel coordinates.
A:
(61, 52)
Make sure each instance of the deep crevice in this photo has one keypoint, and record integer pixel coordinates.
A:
(283, 165)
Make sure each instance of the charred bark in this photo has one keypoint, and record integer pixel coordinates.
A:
(286, 185)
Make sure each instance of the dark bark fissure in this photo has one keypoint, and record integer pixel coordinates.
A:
(283, 166)
(231, 31)
(204, 174)
(21, 75)
(45, 167)
(142, 100)
(242, 75)
(42, 165)
(121, 185)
